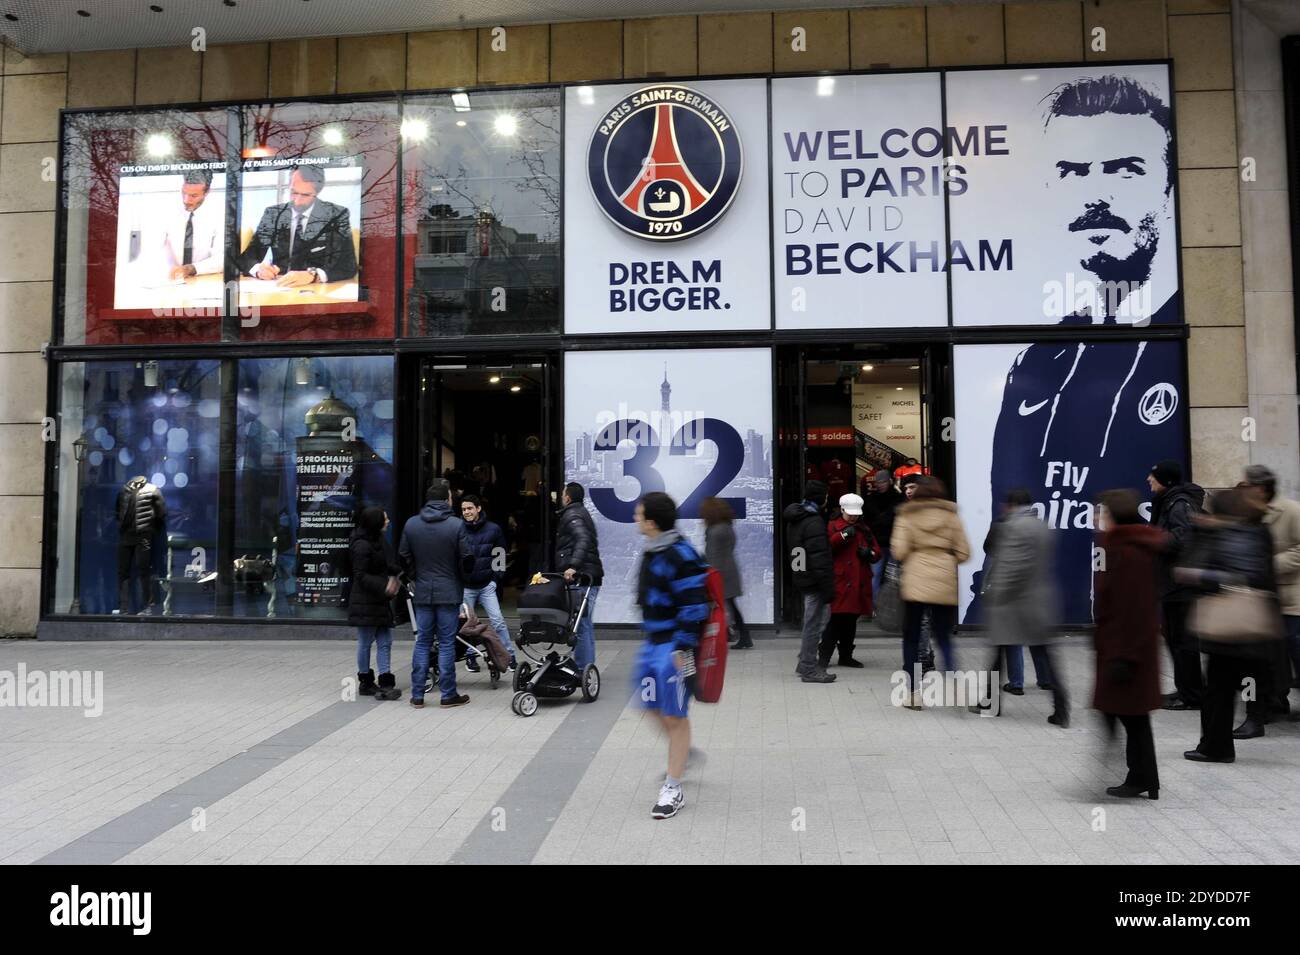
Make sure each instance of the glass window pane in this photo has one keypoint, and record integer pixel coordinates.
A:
(317, 242)
(482, 213)
(144, 197)
(137, 487)
(314, 446)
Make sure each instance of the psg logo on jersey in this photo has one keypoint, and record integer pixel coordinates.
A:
(665, 163)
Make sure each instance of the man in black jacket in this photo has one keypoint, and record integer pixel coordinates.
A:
(433, 550)
(577, 551)
(1172, 507)
(485, 567)
(878, 511)
(813, 574)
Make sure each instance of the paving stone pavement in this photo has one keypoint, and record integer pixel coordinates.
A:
(254, 734)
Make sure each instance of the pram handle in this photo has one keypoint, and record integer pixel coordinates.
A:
(582, 580)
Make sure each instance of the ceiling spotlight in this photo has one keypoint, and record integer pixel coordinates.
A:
(158, 145)
(868, 367)
(416, 130)
(506, 124)
(899, 388)
(914, 367)
(301, 371)
(460, 101)
(333, 136)
(494, 379)
(150, 374)
(515, 388)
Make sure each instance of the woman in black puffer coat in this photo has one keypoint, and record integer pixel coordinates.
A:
(374, 584)
(1231, 547)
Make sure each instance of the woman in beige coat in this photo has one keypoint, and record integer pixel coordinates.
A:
(929, 541)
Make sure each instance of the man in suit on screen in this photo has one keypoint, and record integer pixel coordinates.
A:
(309, 239)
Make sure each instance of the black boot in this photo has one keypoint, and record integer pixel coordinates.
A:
(366, 683)
(743, 642)
(1249, 729)
(846, 660)
(388, 688)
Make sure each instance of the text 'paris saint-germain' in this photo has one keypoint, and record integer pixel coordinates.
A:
(860, 181)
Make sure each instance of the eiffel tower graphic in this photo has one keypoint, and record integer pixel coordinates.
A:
(664, 162)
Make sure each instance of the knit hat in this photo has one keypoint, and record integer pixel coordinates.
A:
(1168, 472)
(815, 491)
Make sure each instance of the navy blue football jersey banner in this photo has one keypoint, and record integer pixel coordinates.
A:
(1065, 421)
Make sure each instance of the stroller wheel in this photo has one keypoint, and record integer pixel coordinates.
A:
(522, 673)
(590, 683)
(524, 703)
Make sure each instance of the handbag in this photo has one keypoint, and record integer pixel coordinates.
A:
(1236, 614)
(888, 604)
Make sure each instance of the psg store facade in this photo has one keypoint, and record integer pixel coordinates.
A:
(271, 314)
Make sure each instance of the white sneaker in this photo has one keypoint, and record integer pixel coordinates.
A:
(671, 800)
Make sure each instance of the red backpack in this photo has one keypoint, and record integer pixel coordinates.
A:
(711, 654)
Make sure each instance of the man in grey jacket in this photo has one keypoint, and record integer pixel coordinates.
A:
(433, 549)
(1020, 598)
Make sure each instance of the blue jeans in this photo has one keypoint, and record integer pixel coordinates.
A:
(943, 620)
(487, 596)
(1016, 665)
(584, 651)
(878, 572)
(382, 638)
(446, 617)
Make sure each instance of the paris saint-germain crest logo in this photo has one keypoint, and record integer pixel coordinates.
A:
(665, 162)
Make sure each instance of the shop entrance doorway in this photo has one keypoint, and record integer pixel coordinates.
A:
(849, 411)
(484, 427)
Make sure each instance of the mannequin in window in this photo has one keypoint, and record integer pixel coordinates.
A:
(141, 515)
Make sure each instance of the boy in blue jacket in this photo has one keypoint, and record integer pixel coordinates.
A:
(674, 607)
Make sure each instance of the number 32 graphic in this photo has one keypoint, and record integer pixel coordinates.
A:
(640, 466)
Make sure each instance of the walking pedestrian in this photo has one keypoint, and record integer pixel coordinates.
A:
(577, 551)
(878, 510)
(674, 607)
(1126, 609)
(433, 548)
(853, 551)
(1230, 561)
(929, 542)
(1173, 506)
(1019, 591)
(720, 553)
(374, 583)
(813, 575)
(1283, 522)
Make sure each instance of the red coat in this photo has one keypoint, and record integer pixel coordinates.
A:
(1126, 608)
(853, 558)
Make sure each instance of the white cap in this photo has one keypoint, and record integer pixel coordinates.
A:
(851, 504)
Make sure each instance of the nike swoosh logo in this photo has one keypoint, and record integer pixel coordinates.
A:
(1030, 409)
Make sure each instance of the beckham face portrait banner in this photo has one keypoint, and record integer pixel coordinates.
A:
(1060, 198)
(1065, 421)
(672, 420)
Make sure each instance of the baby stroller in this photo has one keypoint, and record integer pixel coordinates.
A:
(470, 636)
(548, 631)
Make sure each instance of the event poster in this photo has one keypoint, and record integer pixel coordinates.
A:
(326, 511)
(665, 208)
(695, 423)
(857, 201)
(1065, 421)
(1079, 195)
